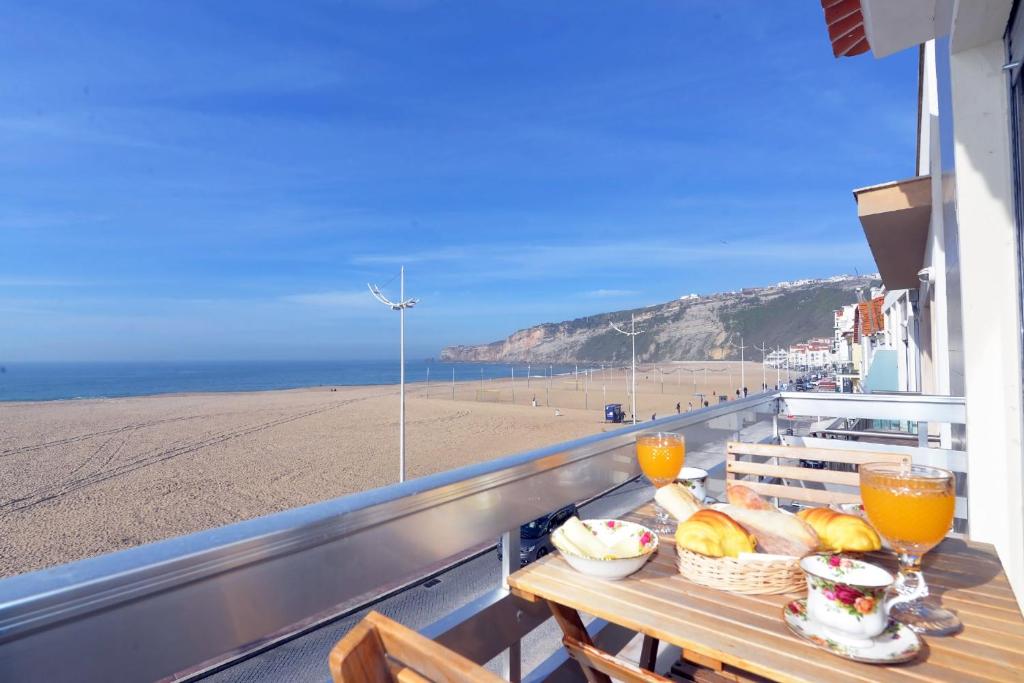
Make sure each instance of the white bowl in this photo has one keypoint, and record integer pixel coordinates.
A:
(611, 569)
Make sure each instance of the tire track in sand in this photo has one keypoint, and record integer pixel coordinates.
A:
(54, 491)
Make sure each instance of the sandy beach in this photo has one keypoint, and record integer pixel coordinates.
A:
(91, 476)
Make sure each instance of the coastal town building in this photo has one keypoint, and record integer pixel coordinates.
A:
(778, 358)
(814, 353)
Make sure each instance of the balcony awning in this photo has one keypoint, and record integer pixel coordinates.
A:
(845, 23)
(895, 218)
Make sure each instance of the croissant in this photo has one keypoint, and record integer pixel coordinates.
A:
(745, 497)
(714, 534)
(840, 532)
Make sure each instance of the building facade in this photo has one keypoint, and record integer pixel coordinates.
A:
(948, 241)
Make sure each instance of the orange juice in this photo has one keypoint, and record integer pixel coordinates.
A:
(912, 513)
(661, 456)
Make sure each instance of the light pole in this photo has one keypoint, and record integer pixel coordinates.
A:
(764, 371)
(632, 338)
(399, 306)
(743, 369)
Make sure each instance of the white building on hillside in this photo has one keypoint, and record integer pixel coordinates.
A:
(814, 353)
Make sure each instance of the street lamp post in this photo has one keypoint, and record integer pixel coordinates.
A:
(632, 338)
(743, 369)
(763, 348)
(399, 306)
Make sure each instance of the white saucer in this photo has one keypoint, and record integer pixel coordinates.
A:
(897, 643)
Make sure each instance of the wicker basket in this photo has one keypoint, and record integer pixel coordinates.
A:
(770, 577)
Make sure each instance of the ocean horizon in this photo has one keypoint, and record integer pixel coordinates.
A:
(54, 381)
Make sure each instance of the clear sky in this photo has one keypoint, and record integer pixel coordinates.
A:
(208, 180)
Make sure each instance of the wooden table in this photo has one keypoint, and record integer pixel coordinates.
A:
(742, 638)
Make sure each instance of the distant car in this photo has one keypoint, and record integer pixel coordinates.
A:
(535, 536)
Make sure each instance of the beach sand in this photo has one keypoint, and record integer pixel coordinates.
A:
(91, 476)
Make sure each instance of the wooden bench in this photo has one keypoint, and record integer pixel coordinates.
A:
(837, 483)
(379, 650)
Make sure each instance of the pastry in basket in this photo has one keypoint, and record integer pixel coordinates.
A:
(678, 501)
(745, 497)
(777, 532)
(714, 534)
(841, 532)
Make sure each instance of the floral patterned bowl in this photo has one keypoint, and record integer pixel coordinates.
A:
(611, 531)
(846, 597)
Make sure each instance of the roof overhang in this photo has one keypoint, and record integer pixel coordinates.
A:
(884, 26)
(894, 25)
(895, 217)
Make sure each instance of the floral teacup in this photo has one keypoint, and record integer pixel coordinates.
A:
(693, 478)
(846, 597)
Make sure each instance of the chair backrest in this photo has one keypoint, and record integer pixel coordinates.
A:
(379, 650)
(836, 482)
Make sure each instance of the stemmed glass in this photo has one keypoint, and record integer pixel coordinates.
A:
(912, 507)
(661, 456)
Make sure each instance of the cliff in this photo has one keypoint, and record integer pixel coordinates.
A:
(688, 328)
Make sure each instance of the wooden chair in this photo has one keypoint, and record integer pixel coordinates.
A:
(801, 484)
(379, 650)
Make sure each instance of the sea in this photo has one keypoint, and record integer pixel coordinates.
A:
(65, 381)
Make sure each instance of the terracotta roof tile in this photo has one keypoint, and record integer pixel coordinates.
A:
(871, 318)
(845, 27)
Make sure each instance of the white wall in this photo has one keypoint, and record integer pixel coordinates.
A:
(989, 272)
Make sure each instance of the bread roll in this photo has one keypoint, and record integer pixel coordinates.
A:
(744, 497)
(579, 536)
(714, 534)
(678, 501)
(778, 533)
(840, 532)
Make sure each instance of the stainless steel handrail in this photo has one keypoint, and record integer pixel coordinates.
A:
(909, 407)
(156, 610)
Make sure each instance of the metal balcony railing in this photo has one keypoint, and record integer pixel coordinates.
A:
(179, 608)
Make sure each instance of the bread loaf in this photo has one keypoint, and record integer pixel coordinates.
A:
(745, 497)
(778, 533)
(714, 534)
(583, 539)
(840, 532)
(677, 501)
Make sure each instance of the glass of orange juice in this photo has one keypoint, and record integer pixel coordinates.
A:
(661, 456)
(912, 507)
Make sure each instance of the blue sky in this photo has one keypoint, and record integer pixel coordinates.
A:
(208, 180)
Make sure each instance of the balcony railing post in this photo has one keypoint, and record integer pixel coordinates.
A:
(512, 660)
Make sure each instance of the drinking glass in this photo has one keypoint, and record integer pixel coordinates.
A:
(661, 456)
(912, 507)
